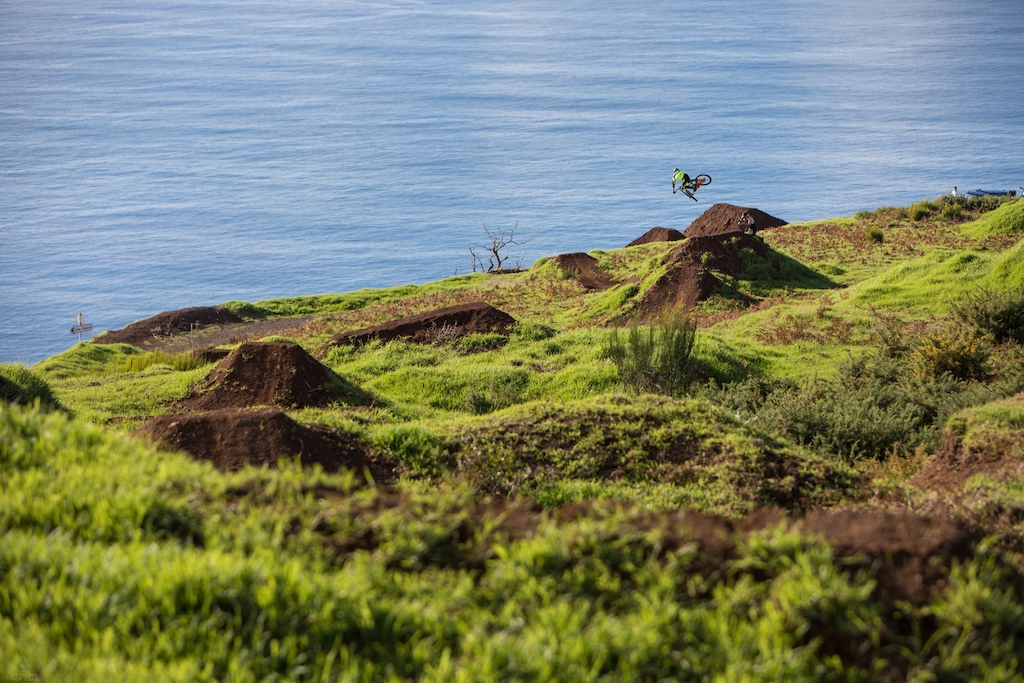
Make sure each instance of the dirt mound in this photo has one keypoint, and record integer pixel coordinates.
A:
(910, 551)
(265, 374)
(443, 323)
(586, 271)
(168, 324)
(657, 235)
(726, 219)
(688, 277)
(232, 439)
(955, 463)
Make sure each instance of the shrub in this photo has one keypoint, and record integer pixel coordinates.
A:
(952, 211)
(921, 210)
(875, 234)
(962, 356)
(656, 359)
(875, 406)
(999, 314)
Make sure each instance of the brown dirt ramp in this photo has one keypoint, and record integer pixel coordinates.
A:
(584, 268)
(426, 328)
(657, 235)
(688, 277)
(233, 439)
(266, 374)
(726, 219)
(142, 332)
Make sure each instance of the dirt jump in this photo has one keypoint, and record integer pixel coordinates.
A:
(727, 219)
(233, 439)
(584, 268)
(427, 328)
(267, 374)
(657, 235)
(720, 240)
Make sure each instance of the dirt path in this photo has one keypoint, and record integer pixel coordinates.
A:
(197, 329)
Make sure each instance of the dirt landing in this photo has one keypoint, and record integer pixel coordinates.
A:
(198, 330)
(265, 374)
(657, 235)
(167, 324)
(426, 328)
(233, 439)
(586, 271)
(726, 219)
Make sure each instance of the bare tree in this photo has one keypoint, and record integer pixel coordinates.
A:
(496, 252)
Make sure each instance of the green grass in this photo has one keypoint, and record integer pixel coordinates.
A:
(701, 452)
(1007, 219)
(132, 563)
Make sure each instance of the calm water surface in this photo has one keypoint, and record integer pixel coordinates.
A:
(158, 154)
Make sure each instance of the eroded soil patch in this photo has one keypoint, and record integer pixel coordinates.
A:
(954, 463)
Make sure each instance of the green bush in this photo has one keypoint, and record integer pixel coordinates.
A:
(875, 234)
(657, 359)
(874, 406)
(921, 210)
(962, 356)
(999, 314)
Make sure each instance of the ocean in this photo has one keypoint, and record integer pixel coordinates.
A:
(159, 154)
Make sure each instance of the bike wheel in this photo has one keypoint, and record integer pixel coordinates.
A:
(703, 179)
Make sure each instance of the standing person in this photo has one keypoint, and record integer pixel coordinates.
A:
(955, 193)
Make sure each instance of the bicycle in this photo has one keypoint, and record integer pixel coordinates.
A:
(691, 186)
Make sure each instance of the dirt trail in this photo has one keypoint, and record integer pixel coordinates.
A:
(198, 329)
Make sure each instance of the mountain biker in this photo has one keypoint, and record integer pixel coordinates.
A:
(686, 184)
(681, 177)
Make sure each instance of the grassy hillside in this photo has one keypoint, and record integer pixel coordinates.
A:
(829, 488)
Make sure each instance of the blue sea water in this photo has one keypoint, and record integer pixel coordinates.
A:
(157, 154)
